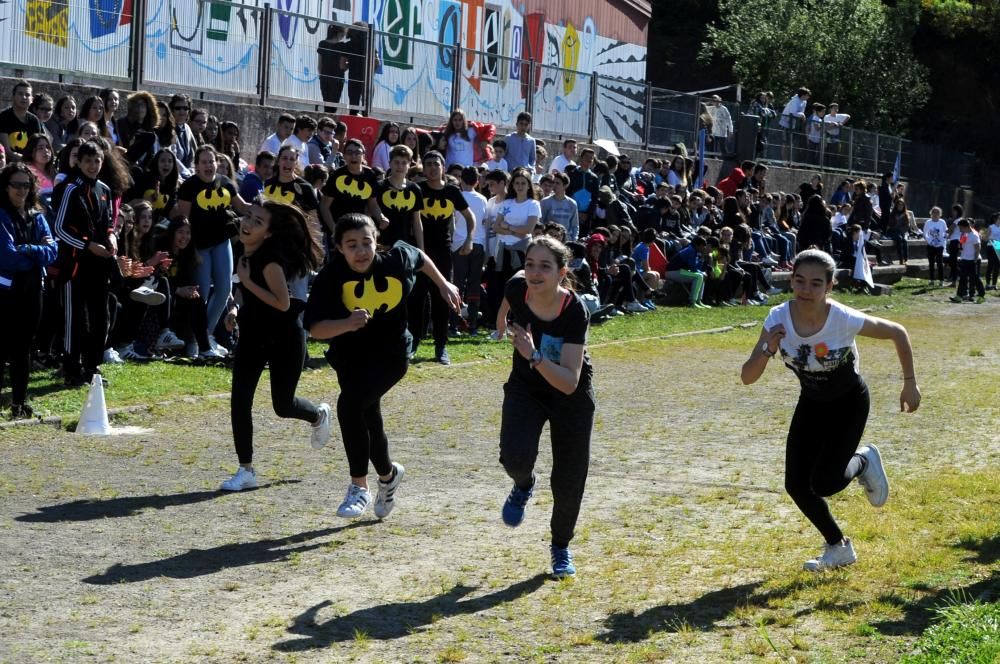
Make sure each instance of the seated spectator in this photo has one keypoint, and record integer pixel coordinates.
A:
(687, 267)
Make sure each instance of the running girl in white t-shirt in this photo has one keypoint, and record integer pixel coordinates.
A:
(815, 337)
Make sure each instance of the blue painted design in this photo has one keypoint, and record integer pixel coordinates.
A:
(83, 42)
(156, 14)
(243, 63)
(161, 51)
(551, 348)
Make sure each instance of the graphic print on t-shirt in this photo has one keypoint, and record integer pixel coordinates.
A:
(158, 201)
(213, 199)
(275, 193)
(355, 187)
(18, 140)
(367, 295)
(438, 208)
(401, 200)
(551, 348)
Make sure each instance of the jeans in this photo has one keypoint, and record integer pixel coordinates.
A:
(215, 276)
(968, 279)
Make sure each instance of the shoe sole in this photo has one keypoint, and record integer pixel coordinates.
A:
(875, 461)
(825, 568)
(563, 575)
(242, 488)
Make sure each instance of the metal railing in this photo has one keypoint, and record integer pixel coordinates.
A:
(255, 51)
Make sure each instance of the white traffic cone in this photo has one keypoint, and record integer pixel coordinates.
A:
(94, 418)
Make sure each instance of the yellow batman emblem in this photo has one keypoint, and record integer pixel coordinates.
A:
(404, 201)
(274, 193)
(158, 201)
(364, 295)
(439, 209)
(213, 199)
(18, 140)
(351, 186)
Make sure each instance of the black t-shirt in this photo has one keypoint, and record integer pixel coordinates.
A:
(382, 291)
(569, 327)
(350, 193)
(210, 206)
(398, 206)
(258, 319)
(19, 131)
(145, 187)
(438, 214)
(298, 192)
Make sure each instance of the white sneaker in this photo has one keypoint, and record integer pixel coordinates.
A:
(873, 477)
(321, 430)
(833, 556)
(212, 354)
(355, 502)
(168, 340)
(221, 350)
(386, 490)
(111, 356)
(243, 479)
(635, 308)
(147, 296)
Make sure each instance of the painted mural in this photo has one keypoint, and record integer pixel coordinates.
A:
(216, 46)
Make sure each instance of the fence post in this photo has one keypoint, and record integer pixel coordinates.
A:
(529, 99)
(264, 58)
(369, 71)
(592, 111)
(648, 116)
(456, 77)
(850, 151)
(138, 45)
(822, 143)
(876, 168)
(697, 124)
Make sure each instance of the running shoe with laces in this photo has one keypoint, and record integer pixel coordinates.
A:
(321, 429)
(355, 502)
(168, 340)
(562, 562)
(111, 356)
(833, 556)
(517, 501)
(384, 501)
(242, 479)
(873, 477)
(147, 296)
(130, 352)
(214, 353)
(217, 347)
(635, 307)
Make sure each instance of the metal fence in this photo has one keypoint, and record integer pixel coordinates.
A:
(251, 50)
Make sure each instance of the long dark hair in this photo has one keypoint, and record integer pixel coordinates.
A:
(84, 112)
(384, 134)
(114, 170)
(62, 163)
(187, 260)
(29, 153)
(31, 200)
(293, 239)
(168, 184)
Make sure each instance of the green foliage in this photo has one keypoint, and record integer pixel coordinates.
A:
(964, 633)
(857, 52)
(953, 17)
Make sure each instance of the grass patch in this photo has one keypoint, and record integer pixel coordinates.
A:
(962, 633)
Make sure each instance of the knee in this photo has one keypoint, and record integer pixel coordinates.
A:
(283, 407)
(797, 487)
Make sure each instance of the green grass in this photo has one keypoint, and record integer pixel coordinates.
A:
(963, 634)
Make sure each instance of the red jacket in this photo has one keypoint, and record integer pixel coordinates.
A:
(729, 184)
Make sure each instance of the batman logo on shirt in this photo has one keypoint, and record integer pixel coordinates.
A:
(18, 140)
(158, 201)
(439, 209)
(213, 199)
(275, 193)
(404, 201)
(354, 187)
(364, 295)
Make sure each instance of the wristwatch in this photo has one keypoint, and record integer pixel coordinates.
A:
(767, 351)
(536, 358)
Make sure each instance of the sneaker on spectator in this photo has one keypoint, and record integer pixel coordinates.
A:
(321, 429)
(956, 299)
(136, 354)
(217, 347)
(617, 312)
(649, 305)
(242, 479)
(211, 354)
(111, 356)
(873, 477)
(168, 340)
(634, 307)
(355, 502)
(148, 296)
(773, 290)
(384, 501)
(702, 305)
(769, 262)
(562, 562)
(441, 355)
(833, 556)
(517, 501)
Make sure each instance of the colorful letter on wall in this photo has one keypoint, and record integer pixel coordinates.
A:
(533, 46)
(472, 41)
(402, 20)
(570, 58)
(218, 21)
(448, 34)
(47, 21)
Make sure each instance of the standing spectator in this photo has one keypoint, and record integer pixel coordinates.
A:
(814, 131)
(158, 183)
(722, 125)
(520, 144)
(137, 130)
(816, 229)
(834, 120)
(41, 160)
(843, 193)
(282, 130)
(333, 64)
(954, 246)
(560, 208)
(387, 139)
(794, 114)
(458, 140)
(350, 189)
(968, 264)
(762, 108)
(357, 65)
(253, 184)
(322, 146)
(227, 141)
(287, 186)
(110, 101)
(499, 160)
(17, 123)
(885, 197)
(936, 233)
(400, 201)
(992, 243)
(305, 127)
(565, 159)
(469, 267)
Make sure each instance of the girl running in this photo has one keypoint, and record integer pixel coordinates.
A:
(358, 302)
(550, 381)
(815, 336)
(277, 246)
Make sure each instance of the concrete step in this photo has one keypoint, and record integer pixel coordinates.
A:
(881, 274)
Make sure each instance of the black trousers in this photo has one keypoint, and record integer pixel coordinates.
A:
(417, 303)
(935, 258)
(571, 422)
(22, 300)
(954, 250)
(283, 352)
(86, 319)
(969, 280)
(820, 454)
(189, 320)
(363, 383)
(992, 264)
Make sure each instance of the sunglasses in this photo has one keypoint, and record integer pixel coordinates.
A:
(45, 109)
(23, 186)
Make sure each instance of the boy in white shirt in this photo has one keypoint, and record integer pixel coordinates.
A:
(498, 162)
(936, 234)
(968, 265)
(468, 269)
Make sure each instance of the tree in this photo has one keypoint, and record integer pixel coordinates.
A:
(856, 52)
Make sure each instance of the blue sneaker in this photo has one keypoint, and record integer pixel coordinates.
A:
(513, 507)
(649, 305)
(562, 562)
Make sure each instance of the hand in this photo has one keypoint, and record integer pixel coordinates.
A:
(774, 337)
(124, 265)
(243, 270)
(449, 292)
(113, 244)
(231, 320)
(383, 224)
(99, 250)
(187, 292)
(158, 258)
(909, 397)
(522, 340)
(466, 248)
(613, 270)
(357, 320)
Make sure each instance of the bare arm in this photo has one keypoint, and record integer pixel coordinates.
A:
(328, 329)
(324, 212)
(470, 226)
(879, 328)
(755, 365)
(274, 293)
(241, 205)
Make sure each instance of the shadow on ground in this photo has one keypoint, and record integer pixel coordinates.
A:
(90, 510)
(200, 562)
(392, 621)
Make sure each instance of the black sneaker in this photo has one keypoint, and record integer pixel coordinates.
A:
(441, 356)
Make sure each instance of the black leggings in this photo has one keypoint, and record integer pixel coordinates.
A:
(22, 300)
(935, 258)
(359, 408)
(820, 455)
(283, 350)
(417, 303)
(571, 422)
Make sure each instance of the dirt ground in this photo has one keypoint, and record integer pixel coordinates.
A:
(121, 549)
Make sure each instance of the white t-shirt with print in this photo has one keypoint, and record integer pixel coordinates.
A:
(516, 215)
(970, 245)
(826, 363)
(935, 232)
